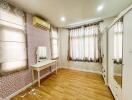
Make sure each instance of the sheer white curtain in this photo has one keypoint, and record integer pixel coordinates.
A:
(13, 53)
(54, 41)
(84, 44)
(91, 43)
(118, 32)
(77, 44)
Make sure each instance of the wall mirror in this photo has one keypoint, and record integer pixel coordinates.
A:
(118, 48)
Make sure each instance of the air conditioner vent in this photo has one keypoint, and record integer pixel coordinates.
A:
(38, 22)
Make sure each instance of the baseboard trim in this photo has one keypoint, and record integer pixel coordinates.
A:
(17, 92)
(91, 71)
(111, 91)
(27, 86)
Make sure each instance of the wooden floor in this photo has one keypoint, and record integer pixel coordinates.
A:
(68, 85)
(118, 80)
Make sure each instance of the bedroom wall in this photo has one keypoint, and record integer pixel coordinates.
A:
(36, 37)
(84, 66)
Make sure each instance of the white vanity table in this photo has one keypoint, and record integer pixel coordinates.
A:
(41, 66)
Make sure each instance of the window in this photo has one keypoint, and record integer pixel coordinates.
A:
(118, 31)
(84, 45)
(13, 54)
(54, 41)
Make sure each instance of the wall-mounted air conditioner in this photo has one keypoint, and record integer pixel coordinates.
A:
(38, 22)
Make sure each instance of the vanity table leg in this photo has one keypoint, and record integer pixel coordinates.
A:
(32, 76)
(50, 68)
(38, 78)
(56, 67)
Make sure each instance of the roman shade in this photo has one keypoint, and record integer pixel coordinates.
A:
(13, 49)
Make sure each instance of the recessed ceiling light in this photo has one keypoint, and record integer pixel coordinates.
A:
(63, 19)
(100, 8)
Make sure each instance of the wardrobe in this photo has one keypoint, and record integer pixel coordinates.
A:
(117, 56)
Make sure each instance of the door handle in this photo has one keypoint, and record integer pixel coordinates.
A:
(122, 64)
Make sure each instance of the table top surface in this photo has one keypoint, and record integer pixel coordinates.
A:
(43, 63)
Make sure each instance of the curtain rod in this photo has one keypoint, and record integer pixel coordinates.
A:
(85, 25)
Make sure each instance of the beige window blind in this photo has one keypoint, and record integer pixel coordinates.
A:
(13, 51)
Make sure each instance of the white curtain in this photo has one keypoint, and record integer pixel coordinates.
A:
(13, 53)
(84, 44)
(77, 44)
(118, 32)
(54, 43)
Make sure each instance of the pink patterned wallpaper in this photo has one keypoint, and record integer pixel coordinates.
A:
(36, 37)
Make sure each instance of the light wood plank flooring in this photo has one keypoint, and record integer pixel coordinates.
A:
(68, 85)
(118, 80)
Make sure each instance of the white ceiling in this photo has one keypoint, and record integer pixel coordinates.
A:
(74, 10)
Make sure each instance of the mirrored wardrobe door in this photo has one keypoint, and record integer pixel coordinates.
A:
(118, 54)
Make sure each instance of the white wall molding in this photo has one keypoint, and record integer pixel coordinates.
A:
(123, 13)
(84, 70)
(25, 87)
